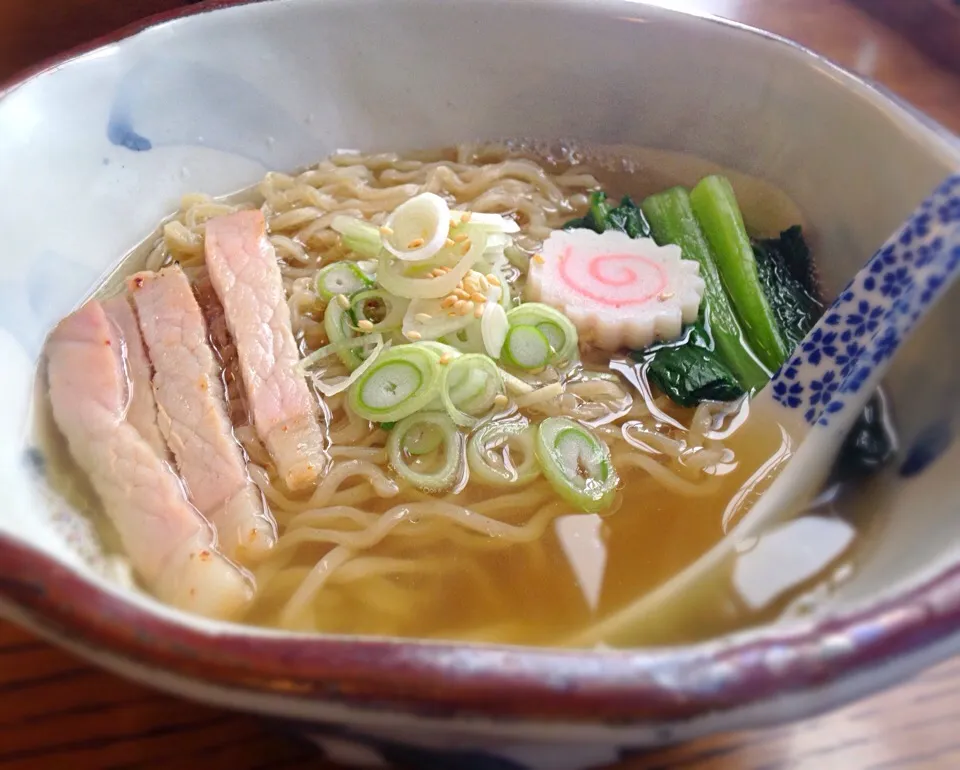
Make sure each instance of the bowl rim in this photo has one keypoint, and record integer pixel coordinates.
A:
(443, 680)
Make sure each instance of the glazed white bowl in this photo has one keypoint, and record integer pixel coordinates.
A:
(98, 147)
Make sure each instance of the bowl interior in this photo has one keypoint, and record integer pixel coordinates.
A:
(100, 148)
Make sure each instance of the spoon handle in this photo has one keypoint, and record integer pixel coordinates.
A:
(830, 375)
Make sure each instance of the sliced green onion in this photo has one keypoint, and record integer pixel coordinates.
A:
(448, 466)
(517, 257)
(360, 237)
(470, 388)
(466, 340)
(417, 229)
(379, 307)
(504, 453)
(494, 254)
(440, 349)
(506, 301)
(497, 223)
(423, 438)
(402, 381)
(553, 333)
(576, 463)
(429, 319)
(338, 323)
(435, 405)
(366, 343)
(493, 329)
(397, 276)
(341, 278)
(339, 384)
(554, 325)
(467, 386)
(526, 347)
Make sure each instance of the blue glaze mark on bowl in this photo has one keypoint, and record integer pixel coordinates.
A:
(164, 102)
(35, 461)
(932, 442)
(120, 133)
(30, 305)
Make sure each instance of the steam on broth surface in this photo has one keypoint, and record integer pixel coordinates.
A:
(439, 533)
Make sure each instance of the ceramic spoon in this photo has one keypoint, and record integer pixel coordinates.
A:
(824, 386)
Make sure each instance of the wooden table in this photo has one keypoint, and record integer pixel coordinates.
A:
(58, 712)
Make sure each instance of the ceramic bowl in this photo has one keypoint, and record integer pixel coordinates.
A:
(98, 147)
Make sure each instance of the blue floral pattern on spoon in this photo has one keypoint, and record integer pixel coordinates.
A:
(875, 312)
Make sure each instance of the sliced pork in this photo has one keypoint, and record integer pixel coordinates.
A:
(226, 352)
(168, 542)
(244, 272)
(193, 413)
(142, 408)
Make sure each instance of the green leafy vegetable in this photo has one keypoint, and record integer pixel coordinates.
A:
(716, 208)
(795, 255)
(870, 444)
(688, 371)
(786, 275)
(672, 221)
(626, 218)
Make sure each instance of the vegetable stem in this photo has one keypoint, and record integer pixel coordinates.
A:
(672, 220)
(715, 206)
